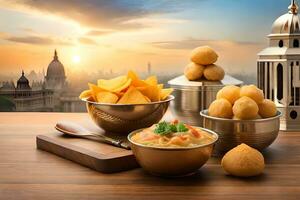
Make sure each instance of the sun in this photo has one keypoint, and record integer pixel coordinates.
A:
(76, 59)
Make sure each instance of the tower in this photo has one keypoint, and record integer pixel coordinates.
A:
(55, 77)
(149, 68)
(55, 80)
(278, 73)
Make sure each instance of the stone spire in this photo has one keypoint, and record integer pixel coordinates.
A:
(293, 7)
(55, 55)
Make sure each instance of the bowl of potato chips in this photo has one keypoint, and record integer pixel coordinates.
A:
(126, 103)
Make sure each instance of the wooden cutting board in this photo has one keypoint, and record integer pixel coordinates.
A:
(93, 154)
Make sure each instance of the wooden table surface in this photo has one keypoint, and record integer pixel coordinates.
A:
(28, 173)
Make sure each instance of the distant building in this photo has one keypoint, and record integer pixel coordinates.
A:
(278, 68)
(50, 95)
(149, 68)
(25, 98)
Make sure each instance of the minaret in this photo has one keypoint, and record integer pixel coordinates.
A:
(55, 57)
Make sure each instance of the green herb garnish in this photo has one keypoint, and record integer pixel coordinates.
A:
(165, 128)
(181, 127)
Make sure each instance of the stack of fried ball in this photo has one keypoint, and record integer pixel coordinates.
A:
(245, 103)
(202, 64)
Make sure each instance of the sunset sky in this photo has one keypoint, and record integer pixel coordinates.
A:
(125, 34)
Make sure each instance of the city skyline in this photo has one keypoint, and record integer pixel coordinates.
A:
(122, 35)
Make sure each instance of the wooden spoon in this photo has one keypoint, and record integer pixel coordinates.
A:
(76, 130)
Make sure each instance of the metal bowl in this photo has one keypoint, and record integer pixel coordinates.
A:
(193, 96)
(259, 133)
(124, 118)
(172, 162)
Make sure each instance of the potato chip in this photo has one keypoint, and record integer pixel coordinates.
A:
(151, 91)
(85, 94)
(165, 93)
(160, 86)
(151, 80)
(132, 75)
(95, 90)
(135, 80)
(128, 89)
(116, 84)
(123, 87)
(147, 99)
(133, 96)
(106, 97)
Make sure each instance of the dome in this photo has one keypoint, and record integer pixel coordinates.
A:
(23, 82)
(55, 68)
(288, 23)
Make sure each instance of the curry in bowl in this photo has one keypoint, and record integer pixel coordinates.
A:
(171, 135)
(172, 149)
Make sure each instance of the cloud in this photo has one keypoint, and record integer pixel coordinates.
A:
(111, 14)
(31, 40)
(87, 41)
(192, 43)
(37, 40)
(98, 32)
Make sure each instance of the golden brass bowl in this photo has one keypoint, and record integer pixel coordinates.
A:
(172, 162)
(257, 133)
(124, 118)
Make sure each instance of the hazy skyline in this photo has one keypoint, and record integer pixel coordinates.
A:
(92, 35)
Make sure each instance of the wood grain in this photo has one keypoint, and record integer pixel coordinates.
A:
(95, 155)
(28, 173)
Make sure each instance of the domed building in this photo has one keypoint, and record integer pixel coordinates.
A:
(24, 98)
(23, 83)
(278, 73)
(55, 78)
(51, 94)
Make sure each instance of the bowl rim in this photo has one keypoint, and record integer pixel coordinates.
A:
(168, 99)
(216, 136)
(204, 114)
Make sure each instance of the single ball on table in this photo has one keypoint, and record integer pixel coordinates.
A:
(243, 161)
(193, 71)
(204, 55)
(214, 73)
(245, 108)
(252, 92)
(221, 108)
(267, 108)
(230, 92)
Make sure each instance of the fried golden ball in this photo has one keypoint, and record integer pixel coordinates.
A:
(245, 108)
(230, 92)
(253, 92)
(267, 108)
(243, 161)
(204, 55)
(257, 117)
(214, 73)
(193, 71)
(221, 108)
